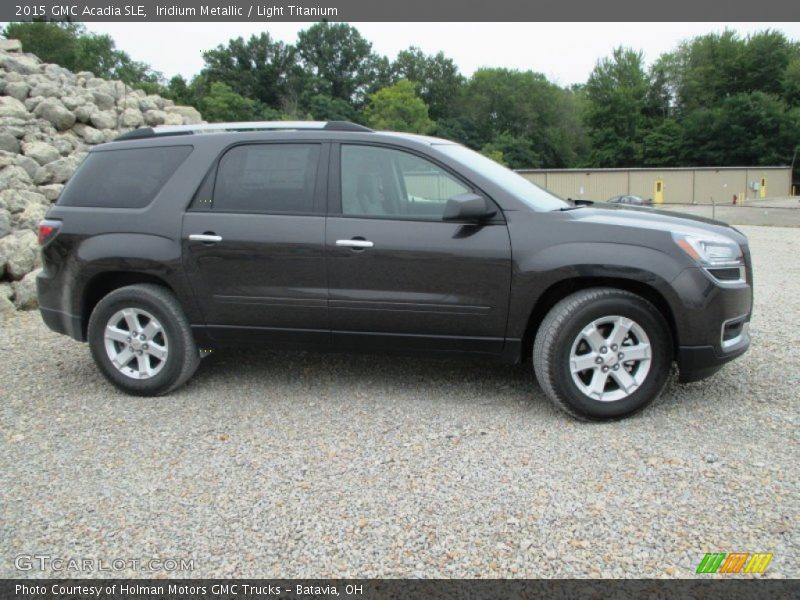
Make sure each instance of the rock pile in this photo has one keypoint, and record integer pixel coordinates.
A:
(49, 117)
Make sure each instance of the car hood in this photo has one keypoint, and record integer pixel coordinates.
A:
(660, 220)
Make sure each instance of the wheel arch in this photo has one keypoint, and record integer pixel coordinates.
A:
(106, 282)
(561, 289)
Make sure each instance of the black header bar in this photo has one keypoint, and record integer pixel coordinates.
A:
(399, 11)
(372, 589)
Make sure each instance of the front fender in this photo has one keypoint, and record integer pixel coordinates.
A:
(536, 272)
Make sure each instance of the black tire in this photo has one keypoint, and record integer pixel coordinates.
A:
(183, 356)
(562, 327)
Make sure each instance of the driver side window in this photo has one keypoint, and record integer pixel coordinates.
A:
(383, 182)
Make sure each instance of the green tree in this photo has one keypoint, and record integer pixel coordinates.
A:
(723, 93)
(617, 95)
(706, 69)
(258, 68)
(339, 61)
(790, 83)
(136, 73)
(398, 108)
(98, 54)
(521, 105)
(746, 129)
(53, 42)
(765, 57)
(439, 80)
(495, 154)
(178, 90)
(222, 104)
(663, 144)
(325, 108)
(515, 152)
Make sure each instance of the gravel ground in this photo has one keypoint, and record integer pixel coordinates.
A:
(781, 212)
(306, 465)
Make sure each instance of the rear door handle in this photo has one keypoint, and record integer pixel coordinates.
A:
(208, 238)
(354, 243)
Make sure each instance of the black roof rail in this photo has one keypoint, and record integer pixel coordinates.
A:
(148, 132)
(346, 126)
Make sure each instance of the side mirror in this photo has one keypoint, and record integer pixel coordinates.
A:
(468, 207)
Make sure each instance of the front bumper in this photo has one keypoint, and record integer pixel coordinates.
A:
(698, 362)
(714, 323)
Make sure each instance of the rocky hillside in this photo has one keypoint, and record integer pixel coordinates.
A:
(49, 117)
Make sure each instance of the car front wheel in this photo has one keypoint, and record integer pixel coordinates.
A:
(141, 341)
(602, 353)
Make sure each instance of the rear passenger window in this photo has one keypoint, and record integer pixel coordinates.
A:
(267, 178)
(128, 178)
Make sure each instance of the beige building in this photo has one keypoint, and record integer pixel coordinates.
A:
(682, 185)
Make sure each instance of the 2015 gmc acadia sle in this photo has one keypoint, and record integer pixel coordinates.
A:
(330, 235)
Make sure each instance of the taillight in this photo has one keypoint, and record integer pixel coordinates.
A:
(48, 230)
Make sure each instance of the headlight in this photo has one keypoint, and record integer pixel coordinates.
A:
(720, 257)
(710, 250)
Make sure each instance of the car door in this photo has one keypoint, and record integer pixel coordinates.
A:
(398, 275)
(253, 244)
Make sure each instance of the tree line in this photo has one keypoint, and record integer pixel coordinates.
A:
(718, 99)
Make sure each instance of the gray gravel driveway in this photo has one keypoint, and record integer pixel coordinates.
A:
(313, 465)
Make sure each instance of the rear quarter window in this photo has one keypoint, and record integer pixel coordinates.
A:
(126, 178)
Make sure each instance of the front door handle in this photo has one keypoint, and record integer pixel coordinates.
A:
(208, 238)
(355, 243)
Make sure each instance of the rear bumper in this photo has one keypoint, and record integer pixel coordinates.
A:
(51, 295)
(64, 323)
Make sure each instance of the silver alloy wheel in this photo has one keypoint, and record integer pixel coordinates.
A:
(610, 358)
(136, 343)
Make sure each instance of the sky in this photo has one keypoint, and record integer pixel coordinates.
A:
(564, 52)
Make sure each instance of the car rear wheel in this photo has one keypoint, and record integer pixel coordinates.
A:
(602, 353)
(141, 341)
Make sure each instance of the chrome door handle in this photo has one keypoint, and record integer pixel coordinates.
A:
(205, 237)
(355, 243)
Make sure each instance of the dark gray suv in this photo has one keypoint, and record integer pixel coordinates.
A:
(174, 240)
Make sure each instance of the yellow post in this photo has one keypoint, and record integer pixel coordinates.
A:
(658, 195)
(763, 190)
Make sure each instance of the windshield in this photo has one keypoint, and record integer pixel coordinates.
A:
(516, 185)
